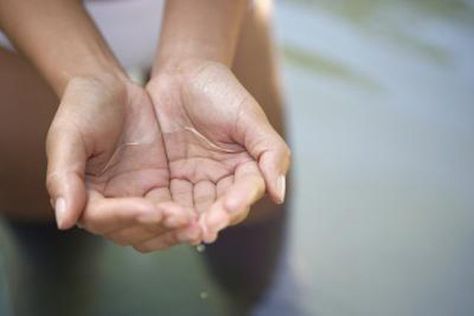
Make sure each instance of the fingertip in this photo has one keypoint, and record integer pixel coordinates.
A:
(68, 198)
(177, 216)
(217, 220)
(60, 213)
(202, 225)
(274, 164)
(65, 214)
(211, 238)
(275, 180)
(208, 235)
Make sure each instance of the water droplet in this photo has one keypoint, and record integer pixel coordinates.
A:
(204, 295)
(200, 248)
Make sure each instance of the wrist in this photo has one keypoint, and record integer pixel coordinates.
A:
(104, 83)
(92, 68)
(183, 67)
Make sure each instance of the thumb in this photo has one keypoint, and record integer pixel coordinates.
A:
(65, 175)
(269, 149)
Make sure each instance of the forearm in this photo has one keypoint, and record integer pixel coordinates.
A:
(200, 30)
(59, 38)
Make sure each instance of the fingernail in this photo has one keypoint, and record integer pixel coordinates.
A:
(60, 211)
(282, 188)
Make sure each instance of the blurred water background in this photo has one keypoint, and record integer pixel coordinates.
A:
(381, 98)
(380, 104)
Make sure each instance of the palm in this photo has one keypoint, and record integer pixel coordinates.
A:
(206, 164)
(133, 162)
(125, 167)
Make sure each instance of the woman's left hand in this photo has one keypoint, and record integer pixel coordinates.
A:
(223, 154)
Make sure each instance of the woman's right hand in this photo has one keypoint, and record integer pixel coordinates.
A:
(107, 167)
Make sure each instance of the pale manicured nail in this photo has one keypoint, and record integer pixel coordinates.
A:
(282, 188)
(60, 211)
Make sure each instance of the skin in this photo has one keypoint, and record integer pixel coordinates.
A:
(108, 202)
(217, 155)
(105, 147)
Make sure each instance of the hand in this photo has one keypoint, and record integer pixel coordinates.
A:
(107, 168)
(222, 151)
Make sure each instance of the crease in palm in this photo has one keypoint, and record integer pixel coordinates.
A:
(177, 152)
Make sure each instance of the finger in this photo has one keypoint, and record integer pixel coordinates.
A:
(240, 217)
(234, 205)
(175, 215)
(213, 221)
(169, 239)
(106, 215)
(223, 185)
(182, 192)
(148, 230)
(204, 195)
(248, 188)
(67, 156)
(267, 147)
(159, 195)
(132, 235)
(274, 165)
